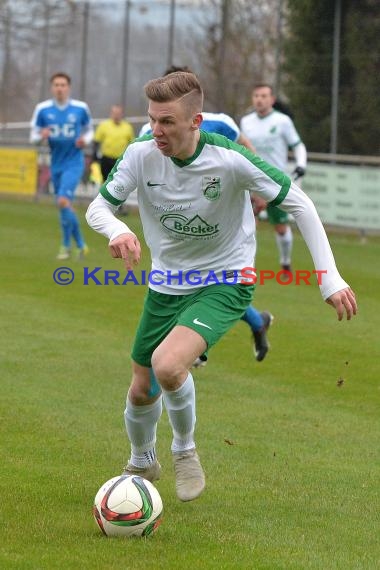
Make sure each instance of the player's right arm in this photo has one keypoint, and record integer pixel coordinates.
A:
(127, 247)
(100, 215)
(38, 132)
(123, 243)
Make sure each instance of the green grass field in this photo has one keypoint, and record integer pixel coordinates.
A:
(291, 452)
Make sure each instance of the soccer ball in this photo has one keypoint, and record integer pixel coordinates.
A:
(127, 505)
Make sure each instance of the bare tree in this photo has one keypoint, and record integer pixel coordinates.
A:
(87, 39)
(239, 49)
(32, 32)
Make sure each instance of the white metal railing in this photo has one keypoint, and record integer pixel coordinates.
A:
(17, 133)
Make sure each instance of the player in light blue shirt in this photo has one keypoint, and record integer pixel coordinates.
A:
(223, 124)
(66, 125)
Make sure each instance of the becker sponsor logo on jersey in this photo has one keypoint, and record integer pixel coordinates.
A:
(193, 227)
(211, 187)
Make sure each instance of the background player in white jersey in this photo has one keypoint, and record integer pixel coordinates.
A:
(66, 125)
(220, 123)
(194, 200)
(273, 134)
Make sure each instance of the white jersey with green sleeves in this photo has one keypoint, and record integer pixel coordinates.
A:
(196, 213)
(271, 136)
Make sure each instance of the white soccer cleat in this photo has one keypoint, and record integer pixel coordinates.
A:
(189, 475)
(64, 253)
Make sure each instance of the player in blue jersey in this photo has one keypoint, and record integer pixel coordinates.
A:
(223, 124)
(66, 125)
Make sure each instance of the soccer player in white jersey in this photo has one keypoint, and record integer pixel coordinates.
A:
(222, 124)
(273, 133)
(66, 125)
(194, 199)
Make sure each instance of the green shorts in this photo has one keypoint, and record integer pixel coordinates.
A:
(276, 215)
(210, 311)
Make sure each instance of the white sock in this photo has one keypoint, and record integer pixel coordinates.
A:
(141, 424)
(180, 405)
(285, 245)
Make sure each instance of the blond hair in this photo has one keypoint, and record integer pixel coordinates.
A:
(175, 86)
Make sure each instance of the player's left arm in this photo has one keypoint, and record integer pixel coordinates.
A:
(294, 142)
(300, 155)
(335, 291)
(258, 202)
(343, 301)
(244, 140)
(87, 134)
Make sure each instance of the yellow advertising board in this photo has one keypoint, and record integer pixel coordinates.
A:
(18, 171)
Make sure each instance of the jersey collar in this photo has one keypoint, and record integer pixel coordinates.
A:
(198, 150)
(265, 116)
(62, 106)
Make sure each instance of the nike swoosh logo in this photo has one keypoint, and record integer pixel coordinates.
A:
(198, 322)
(153, 184)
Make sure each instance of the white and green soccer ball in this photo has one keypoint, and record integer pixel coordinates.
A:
(127, 505)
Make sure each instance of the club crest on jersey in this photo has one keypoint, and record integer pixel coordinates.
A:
(117, 189)
(211, 187)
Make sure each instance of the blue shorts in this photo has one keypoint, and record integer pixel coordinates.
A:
(66, 181)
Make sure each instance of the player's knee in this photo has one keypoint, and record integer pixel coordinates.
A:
(144, 387)
(281, 229)
(63, 202)
(167, 369)
(138, 393)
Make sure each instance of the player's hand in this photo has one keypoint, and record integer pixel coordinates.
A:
(79, 143)
(298, 172)
(127, 247)
(45, 133)
(343, 301)
(258, 204)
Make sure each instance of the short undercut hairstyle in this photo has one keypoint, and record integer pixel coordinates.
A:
(174, 68)
(178, 85)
